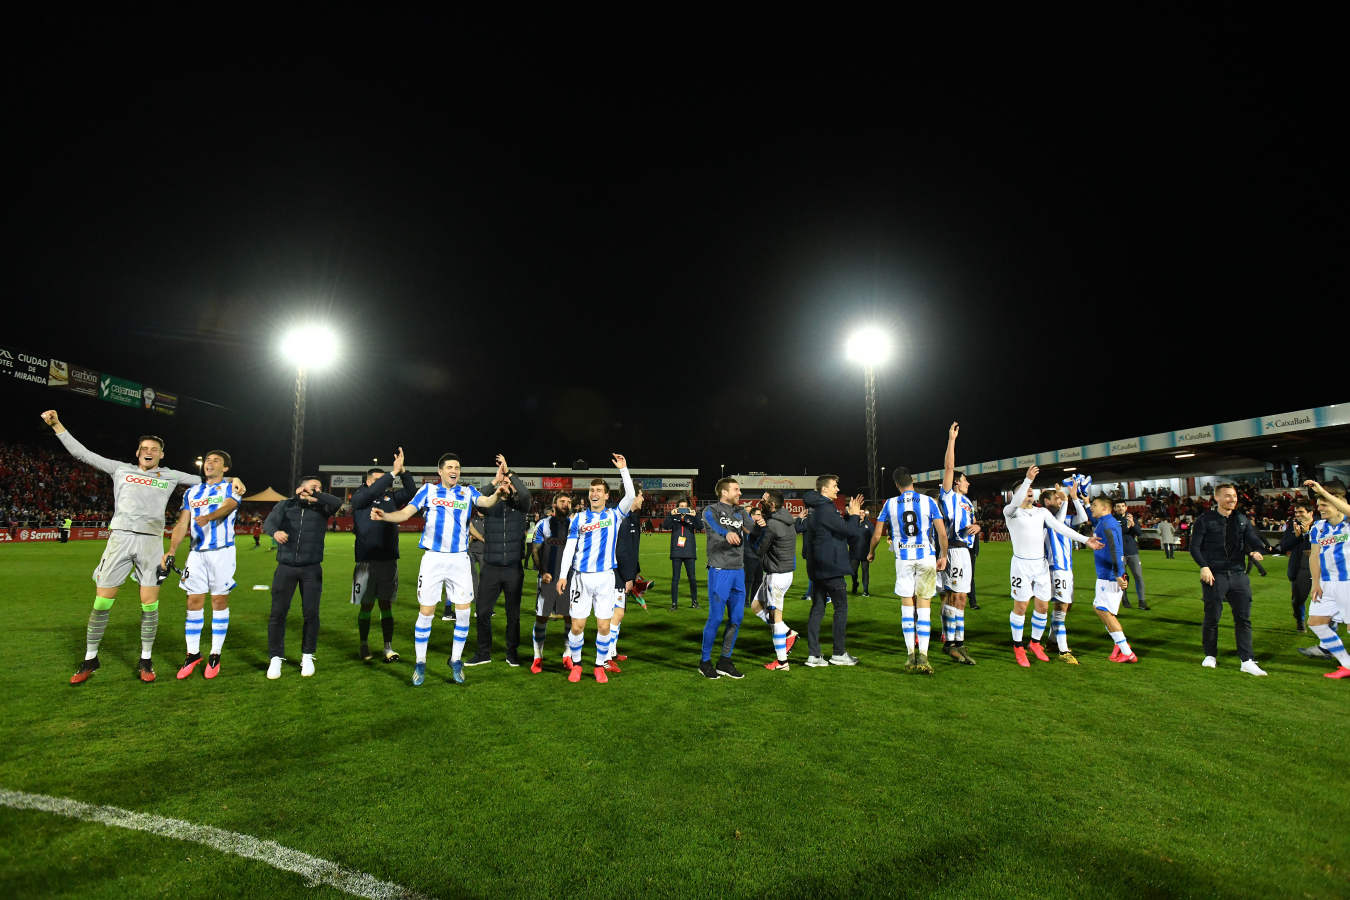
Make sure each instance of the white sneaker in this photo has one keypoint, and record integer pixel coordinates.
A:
(307, 665)
(817, 662)
(1251, 668)
(274, 668)
(1209, 662)
(843, 659)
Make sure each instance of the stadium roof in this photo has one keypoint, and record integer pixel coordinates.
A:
(1310, 436)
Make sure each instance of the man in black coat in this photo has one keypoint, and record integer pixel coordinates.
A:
(502, 571)
(1220, 541)
(1295, 543)
(375, 578)
(827, 536)
(627, 574)
(682, 525)
(297, 525)
(858, 550)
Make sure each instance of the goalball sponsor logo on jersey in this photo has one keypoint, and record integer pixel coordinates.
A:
(449, 503)
(1332, 539)
(594, 526)
(148, 481)
(213, 500)
(119, 390)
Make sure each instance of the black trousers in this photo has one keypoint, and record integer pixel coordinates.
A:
(1234, 588)
(754, 576)
(1299, 589)
(494, 580)
(866, 579)
(284, 580)
(834, 589)
(688, 564)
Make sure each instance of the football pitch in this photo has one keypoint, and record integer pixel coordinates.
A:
(1101, 780)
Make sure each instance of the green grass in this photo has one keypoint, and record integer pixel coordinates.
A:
(1097, 781)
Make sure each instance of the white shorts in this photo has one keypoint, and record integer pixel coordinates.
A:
(129, 552)
(1061, 583)
(773, 590)
(956, 577)
(209, 572)
(1108, 596)
(1335, 601)
(593, 590)
(916, 577)
(1029, 578)
(448, 570)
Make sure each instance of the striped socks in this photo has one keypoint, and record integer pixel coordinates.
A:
(1331, 642)
(149, 627)
(220, 624)
(924, 628)
(1017, 622)
(1121, 644)
(193, 630)
(780, 633)
(574, 644)
(907, 626)
(461, 634)
(421, 636)
(1061, 633)
(949, 622)
(602, 643)
(1038, 621)
(98, 623)
(613, 640)
(959, 625)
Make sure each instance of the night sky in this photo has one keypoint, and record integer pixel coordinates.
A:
(557, 260)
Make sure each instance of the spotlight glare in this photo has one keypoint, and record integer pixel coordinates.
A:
(869, 345)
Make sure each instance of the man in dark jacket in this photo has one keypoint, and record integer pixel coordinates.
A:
(627, 574)
(1295, 543)
(1129, 530)
(682, 524)
(858, 550)
(376, 575)
(1220, 541)
(778, 556)
(827, 535)
(298, 526)
(502, 572)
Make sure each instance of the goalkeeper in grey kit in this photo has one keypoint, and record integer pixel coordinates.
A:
(141, 492)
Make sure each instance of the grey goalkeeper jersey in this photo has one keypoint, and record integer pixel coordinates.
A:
(139, 497)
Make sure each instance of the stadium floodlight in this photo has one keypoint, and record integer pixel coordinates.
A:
(870, 346)
(312, 346)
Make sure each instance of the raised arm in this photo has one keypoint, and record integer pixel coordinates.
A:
(1018, 496)
(1079, 512)
(402, 515)
(366, 495)
(1329, 497)
(629, 494)
(949, 460)
(75, 448)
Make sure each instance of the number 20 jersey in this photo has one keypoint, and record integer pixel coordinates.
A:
(911, 516)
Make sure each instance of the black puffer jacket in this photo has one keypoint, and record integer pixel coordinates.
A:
(503, 527)
(778, 549)
(305, 525)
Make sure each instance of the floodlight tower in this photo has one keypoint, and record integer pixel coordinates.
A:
(870, 347)
(305, 347)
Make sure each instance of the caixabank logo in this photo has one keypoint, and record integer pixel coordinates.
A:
(1290, 422)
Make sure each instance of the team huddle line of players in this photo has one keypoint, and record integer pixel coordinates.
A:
(576, 559)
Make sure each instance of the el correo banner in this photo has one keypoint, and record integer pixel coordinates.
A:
(23, 366)
(119, 390)
(683, 484)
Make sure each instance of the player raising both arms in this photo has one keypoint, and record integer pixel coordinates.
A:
(445, 564)
(209, 510)
(1029, 575)
(135, 541)
(590, 548)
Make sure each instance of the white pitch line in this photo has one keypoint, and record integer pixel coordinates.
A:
(314, 870)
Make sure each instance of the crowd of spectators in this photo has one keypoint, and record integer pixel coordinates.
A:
(39, 487)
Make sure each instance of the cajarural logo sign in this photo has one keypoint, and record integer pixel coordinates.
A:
(1287, 422)
(1195, 436)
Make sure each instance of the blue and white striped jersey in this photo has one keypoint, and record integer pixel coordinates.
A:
(202, 500)
(911, 516)
(1058, 548)
(542, 532)
(594, 534)
(960, 515)
(1329, 542)
(448, 511)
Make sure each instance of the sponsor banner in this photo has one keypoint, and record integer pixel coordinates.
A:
(89, 534)
(557, 482)
(23, 366)
(162, 401)
(794, 505)
(346, 481)
(1163, 440)
(83, 381)
(58, 374)
(38, 534)
(1294, 421)
(1202, 435)
(533, 482)
(119, 390)
(1069, 454)
(1125, 445)
(650, 484)
(1024, 462)
(756, 483)
(687, 484)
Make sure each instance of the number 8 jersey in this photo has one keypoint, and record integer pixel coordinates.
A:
(911, 516)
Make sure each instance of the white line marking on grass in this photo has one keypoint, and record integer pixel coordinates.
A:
(314, 870)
